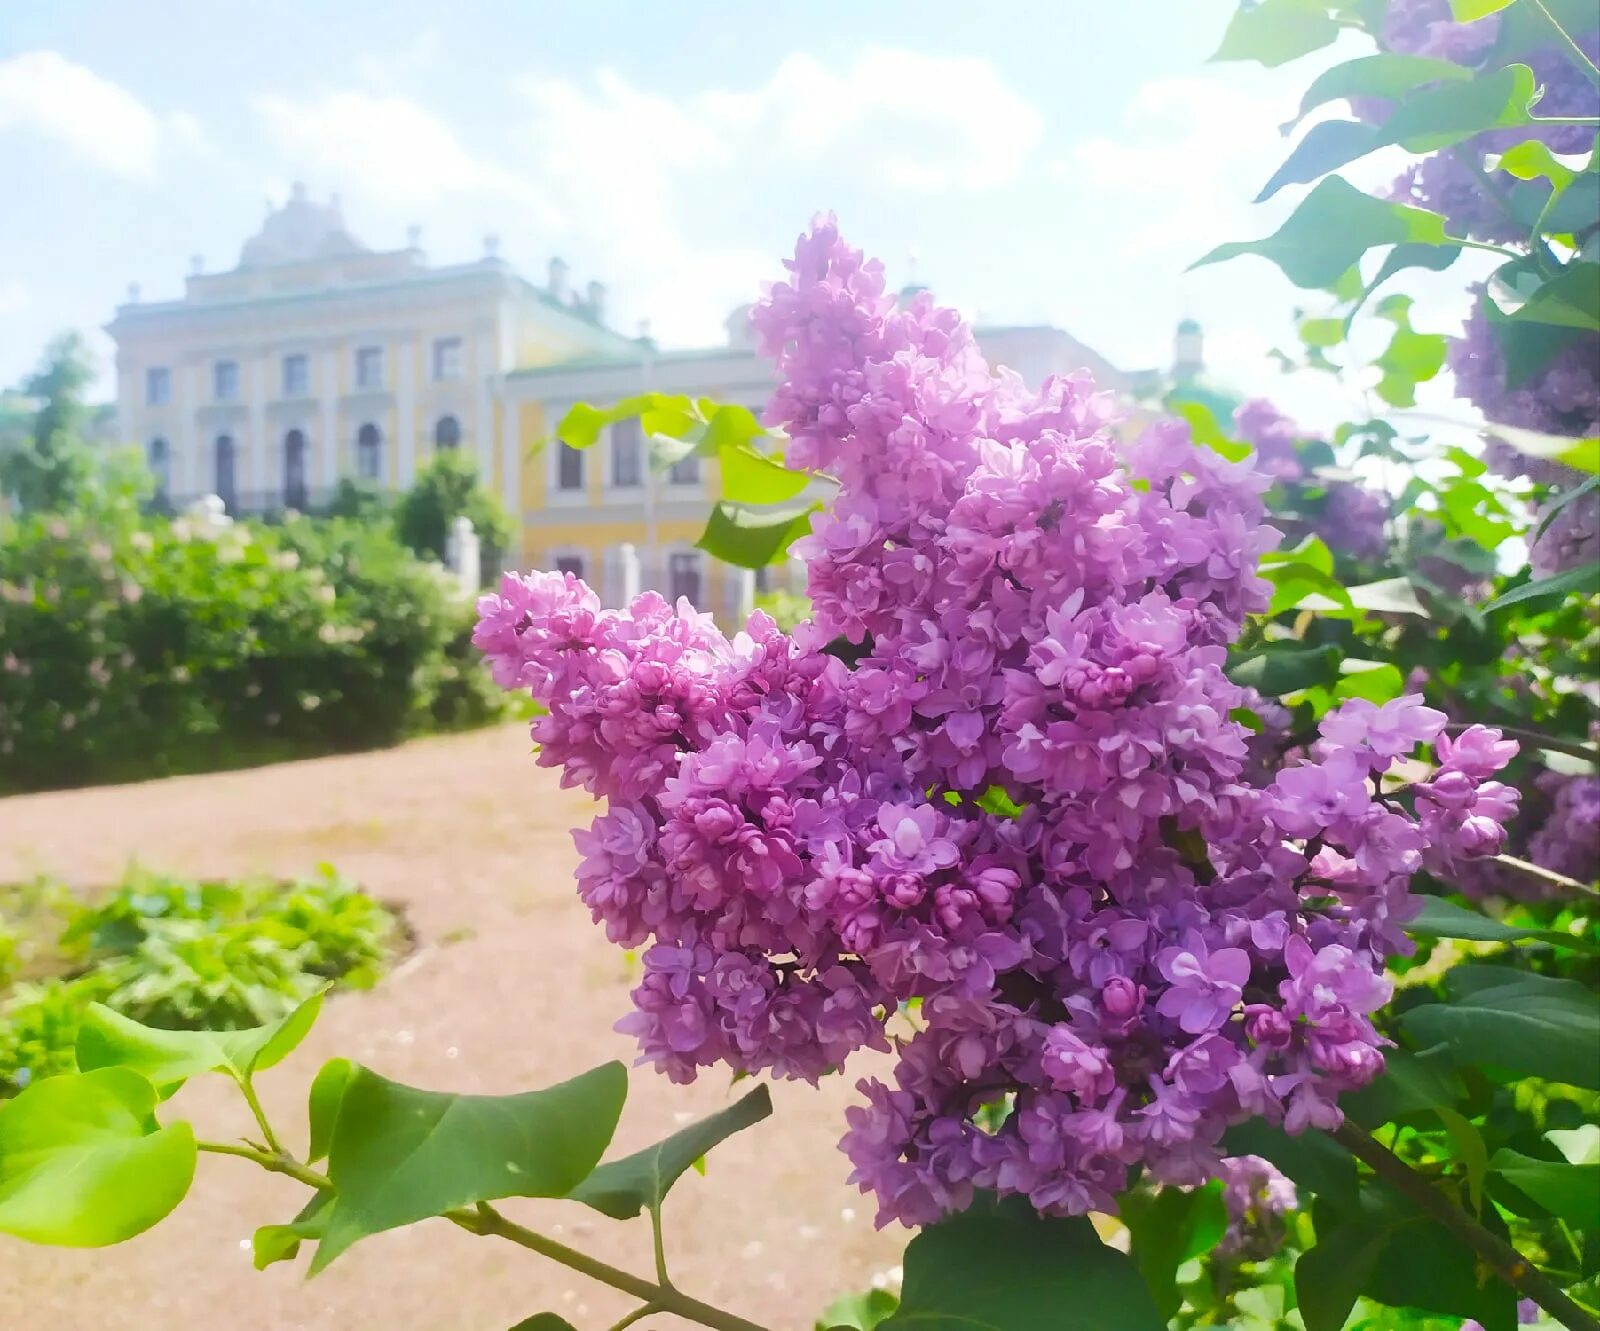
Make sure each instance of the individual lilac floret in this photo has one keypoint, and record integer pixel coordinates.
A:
(1026, 815)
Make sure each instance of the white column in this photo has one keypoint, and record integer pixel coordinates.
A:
(330, 417)
(483, 408)
(258, 423)
(628, 561)
(192, 442)
(405, 358)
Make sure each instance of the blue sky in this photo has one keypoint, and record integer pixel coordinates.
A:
(1052, 162)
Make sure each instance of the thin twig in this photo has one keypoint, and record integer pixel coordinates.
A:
(249, 1093)
(277, 1162)
(1504, 1260)
(484, 1219)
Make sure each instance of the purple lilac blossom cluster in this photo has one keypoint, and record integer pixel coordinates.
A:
(1563, 398)
(1349, 517)
(1257, 1197)
(1013, 842)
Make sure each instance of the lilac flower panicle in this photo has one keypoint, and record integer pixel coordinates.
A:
(1165, 932)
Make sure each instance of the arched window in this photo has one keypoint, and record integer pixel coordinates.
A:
(569, 467)
(447, 433)
(159, 460)
(222, 472)
(294, 469)
(369, 452)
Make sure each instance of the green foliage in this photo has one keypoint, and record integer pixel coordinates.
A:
(83, 1162)
(749, 538)
(136, 648)
(1168, 1227)
(1526, 1025)
(53, 468)
(623, 1188)
(1007, 1269)
(167, 1059)
(399, 1155)
(858, 1312)
(184, 956)
(1331, 229)
(446, 488)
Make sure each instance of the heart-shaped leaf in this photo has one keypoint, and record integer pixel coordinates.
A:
(623, 1188)
(399, 1155)
(107, 1039)
(84, 1163)
(1000, 1269)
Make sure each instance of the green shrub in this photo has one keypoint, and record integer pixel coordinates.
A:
(181, 954)
(447, 488)
(132, 647)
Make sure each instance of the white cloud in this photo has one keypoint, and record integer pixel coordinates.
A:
(1188, 155)
(14, 297)
(389, 150)
(925, 122)
(619, 176)
(638, 169)
(1194, 150)
(102, 122)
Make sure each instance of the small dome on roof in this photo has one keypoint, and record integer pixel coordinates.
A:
(1188, 326)
(299, 231)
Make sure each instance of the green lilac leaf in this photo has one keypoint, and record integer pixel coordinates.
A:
(1275, 671)
(1003, 1270)
(1585, 579)
(1388, 75)
(1411, 1085)
(752, 538)
(1334, 225)
(1528, 1025)
(749, 477)
(400, 1154)
(1275, 32)
(1167, 1228)
(169, 1058)
(623, 1188)
(281, 1243)
(1567, 1191)
(857, 1312)
(327, 1094)
(83, 1162)
(1442, 918)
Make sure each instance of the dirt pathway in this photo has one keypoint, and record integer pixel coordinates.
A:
(513, 988)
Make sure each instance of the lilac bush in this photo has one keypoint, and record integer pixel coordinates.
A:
(991, 811)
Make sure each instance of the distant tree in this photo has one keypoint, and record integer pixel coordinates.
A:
(355, 497)
(446, 488)
(52, 467)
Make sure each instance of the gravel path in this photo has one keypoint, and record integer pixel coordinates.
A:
(513, 987)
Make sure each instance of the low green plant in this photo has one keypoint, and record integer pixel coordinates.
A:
(180, 954)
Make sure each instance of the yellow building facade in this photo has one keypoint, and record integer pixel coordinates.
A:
(316, 358)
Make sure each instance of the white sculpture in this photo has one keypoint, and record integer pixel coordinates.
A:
(463, 557)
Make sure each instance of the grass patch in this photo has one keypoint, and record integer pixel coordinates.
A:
(176, 953)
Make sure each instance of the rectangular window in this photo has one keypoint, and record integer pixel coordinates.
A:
(683, 576)
(369, 367)
(158, 386)
(225, 380)
(446, 358)
(572, 564)
(627, 454)
(685, 471)
(569, 468)
(296, 376)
